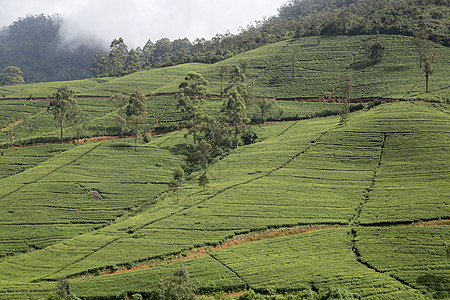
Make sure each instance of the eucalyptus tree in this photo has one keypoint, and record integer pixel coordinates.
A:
(120, 103)
(222, 71)
(136, 112)
(117, 57)
(178, 178)
(264, 106)
(236, 111)
(64, 107)
(191, 97)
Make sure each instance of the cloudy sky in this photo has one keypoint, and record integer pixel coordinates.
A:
(139, 20)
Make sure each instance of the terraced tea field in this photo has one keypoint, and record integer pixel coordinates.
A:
(354, 184)
(53, 201)
(101, 114)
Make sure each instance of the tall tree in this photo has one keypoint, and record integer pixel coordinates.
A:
(264, 106)
(222, 71)
(236, 111)
(177, 287)
(202, 154)
(137, 112)
(133, 62)
(11, 76)
(178, 177)
(428, 72)
(421, 49)
(120, 103)
(203, 181)
(64, 107)
(117, 57)
(374, 51)
(190, 99)
(238, 82)
(100, 64)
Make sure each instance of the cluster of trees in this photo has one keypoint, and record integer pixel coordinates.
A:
(354, 17)
(131, 112)
(120, 61)
(11, 76)
(214, 135)
(296, 18)
(211, 134)
(34, 45)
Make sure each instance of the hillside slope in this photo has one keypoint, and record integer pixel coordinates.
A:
(378, 171)
(319, 68)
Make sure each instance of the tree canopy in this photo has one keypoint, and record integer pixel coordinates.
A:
(11, 76)
(136, 112)
(64, 107)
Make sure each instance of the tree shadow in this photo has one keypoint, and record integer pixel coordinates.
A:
(181, 149)
(438, 286)
(361, 65)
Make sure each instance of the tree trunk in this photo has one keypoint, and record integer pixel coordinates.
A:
(62, 130)
(135, 141)
(426, 78)
(195, 139)
(236, 134)
(221, 86)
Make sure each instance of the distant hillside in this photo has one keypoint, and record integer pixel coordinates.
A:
(427, 19)
(319, 69)
(33, 44)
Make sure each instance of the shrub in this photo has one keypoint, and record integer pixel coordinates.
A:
(136, 297)
(147, 138)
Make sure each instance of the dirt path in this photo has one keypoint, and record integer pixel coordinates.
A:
(269, 234)
(11, 124)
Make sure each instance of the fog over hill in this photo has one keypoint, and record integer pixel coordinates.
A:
(137, 20)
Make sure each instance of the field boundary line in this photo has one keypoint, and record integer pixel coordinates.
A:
(361, 261)
(256, 236)
(232, 241)
(366, 196)
(51, 172)
(247, 285)
(195, 204)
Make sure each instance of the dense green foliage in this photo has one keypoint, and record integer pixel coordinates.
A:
(34, 44)
(11, 76)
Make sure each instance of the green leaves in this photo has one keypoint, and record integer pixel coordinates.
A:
(11, 76)
(137, 112)
(64, 107)
(190, 99)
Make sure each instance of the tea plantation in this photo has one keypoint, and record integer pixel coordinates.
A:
(388, 166)
(319, 68)
(310, 204)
